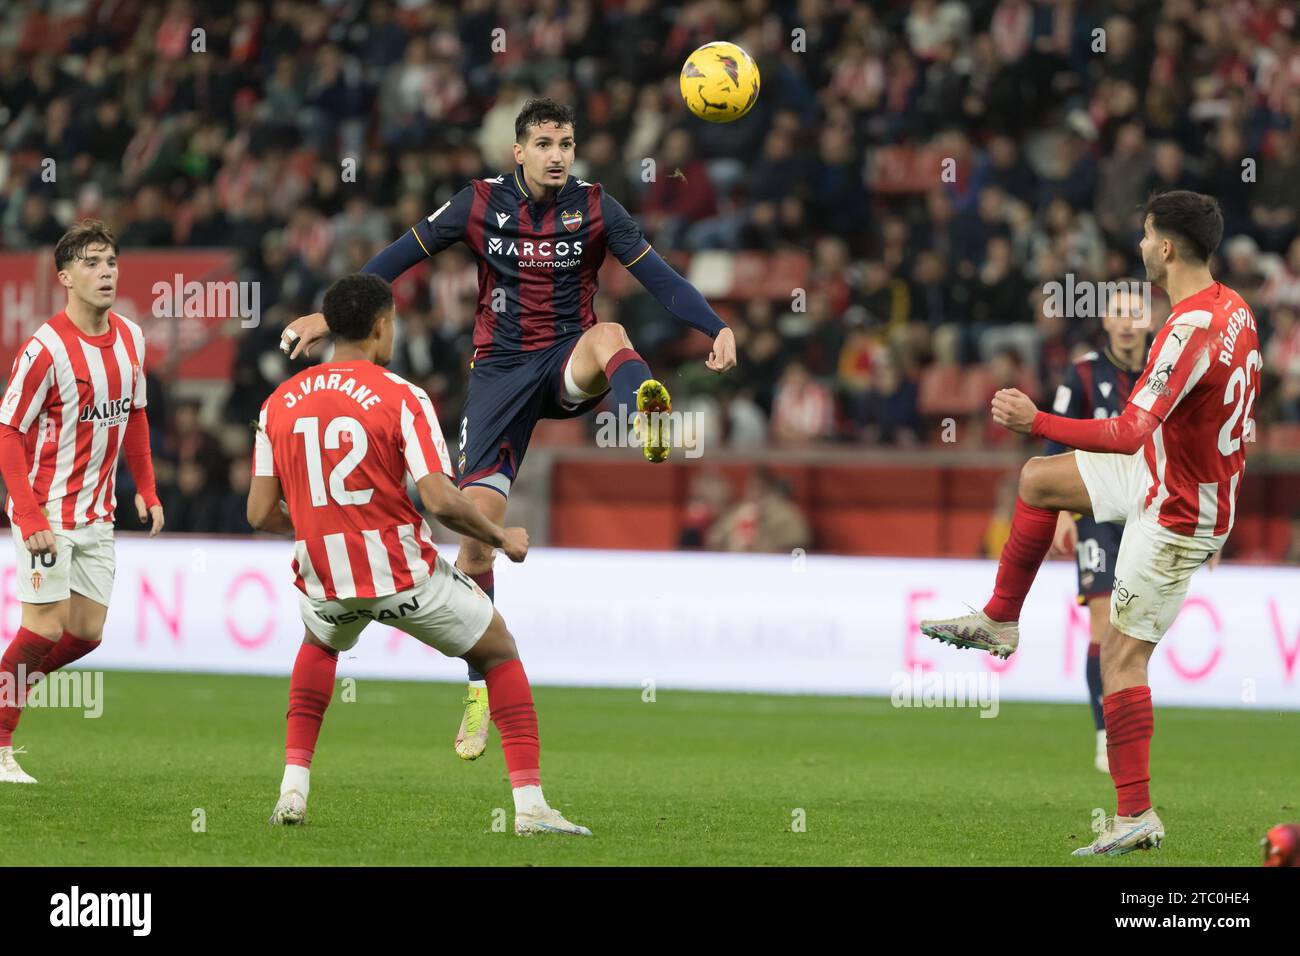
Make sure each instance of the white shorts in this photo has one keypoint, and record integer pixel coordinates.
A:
(446, 610)
(1154, 567)
(83, 563)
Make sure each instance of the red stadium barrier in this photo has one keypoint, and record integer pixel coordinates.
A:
(194, 346)
(910, 509)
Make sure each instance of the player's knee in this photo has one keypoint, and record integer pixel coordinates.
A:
(1033, 489)
(45, 621)
(612, 336)
(494, 648)
(475, 557)
(51, 632)
(1123, 662)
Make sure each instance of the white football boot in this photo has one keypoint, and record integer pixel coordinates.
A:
(10, 772)
(1102, 760)
(976, 630)
(290, 810)
(1123, 835)
(546, 820)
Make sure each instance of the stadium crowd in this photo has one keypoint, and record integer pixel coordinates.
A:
(922, 293)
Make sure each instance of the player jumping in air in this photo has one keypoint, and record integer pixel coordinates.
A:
(540, 236)
(75, 401)
(337, 441)
(1169, 467)
(1098, 386)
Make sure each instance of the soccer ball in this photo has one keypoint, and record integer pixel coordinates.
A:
(719, 82)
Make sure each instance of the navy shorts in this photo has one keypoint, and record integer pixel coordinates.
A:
(1095, 555)
(508, 394)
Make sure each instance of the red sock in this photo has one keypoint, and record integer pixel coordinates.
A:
(25, 650)
(310, 690)
(1129, 725)
(69, 648)
(1032, 530)
(516, 720)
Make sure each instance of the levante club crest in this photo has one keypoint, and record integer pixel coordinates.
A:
(572, 219)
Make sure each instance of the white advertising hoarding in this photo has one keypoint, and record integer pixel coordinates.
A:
(823, 625)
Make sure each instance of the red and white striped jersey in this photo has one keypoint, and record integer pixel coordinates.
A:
(341, 437)
(1200, 380)
(70, 394)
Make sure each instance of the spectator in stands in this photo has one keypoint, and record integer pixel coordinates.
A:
(232, 508)
(893, 419)
(710, 496)
(1243, 261)
(681, 193)
(1282, 360)
(1275, 202)
(207, 225)
(37, 226)
(803, 409)
(190, 503)
(765, 519)
(1283, 284)
(149, 227)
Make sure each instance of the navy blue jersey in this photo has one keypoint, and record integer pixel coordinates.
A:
(1096, 386)
(537, 263)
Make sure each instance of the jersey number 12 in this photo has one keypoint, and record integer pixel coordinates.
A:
(309, 428)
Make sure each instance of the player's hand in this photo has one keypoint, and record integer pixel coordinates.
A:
(1214, 559)
(1066, 537)
(515, 544)
(303, 334)
(150, 516)
(42, 542)
(723, 356)
(1015, 410)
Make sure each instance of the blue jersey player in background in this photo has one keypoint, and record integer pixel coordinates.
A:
(540, 236)
(1098, 386)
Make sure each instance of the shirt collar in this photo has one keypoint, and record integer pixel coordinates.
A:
(526, 196)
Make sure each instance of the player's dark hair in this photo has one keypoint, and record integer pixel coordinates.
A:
(542, 110)
(354, 302)
(1193, 221)
(72, 244)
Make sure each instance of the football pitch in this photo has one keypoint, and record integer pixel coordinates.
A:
(185, 769)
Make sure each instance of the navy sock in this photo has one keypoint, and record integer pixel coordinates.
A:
(626, 370)
(1093, 670)
(485, 581)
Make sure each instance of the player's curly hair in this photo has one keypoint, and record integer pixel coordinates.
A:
(1193, 221)
(542, 110)
(72, 244)
(354, 302)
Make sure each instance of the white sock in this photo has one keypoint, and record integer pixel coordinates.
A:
(529, 799)
(295, 778)
(478, 683)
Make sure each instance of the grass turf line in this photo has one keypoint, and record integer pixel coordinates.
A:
(693, 778)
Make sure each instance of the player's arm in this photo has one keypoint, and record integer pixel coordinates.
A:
(1068, 402)
(1177, 362)
(429, 465)
(266, 509)
(456, 510)
(665, 283)
(427, 237)
(29, 387)
(139, 457)
(1015, 410)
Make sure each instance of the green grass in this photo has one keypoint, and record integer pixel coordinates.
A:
(690, 779)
